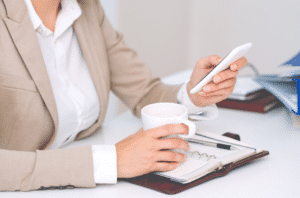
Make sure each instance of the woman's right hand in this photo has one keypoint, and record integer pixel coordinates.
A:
(147, 151)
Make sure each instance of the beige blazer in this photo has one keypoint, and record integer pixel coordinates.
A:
(28, 115)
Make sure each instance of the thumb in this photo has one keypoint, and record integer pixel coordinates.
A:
(208, 62)
(202, 68)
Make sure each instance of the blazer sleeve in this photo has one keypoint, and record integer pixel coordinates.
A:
(49, 169)
(131, 78)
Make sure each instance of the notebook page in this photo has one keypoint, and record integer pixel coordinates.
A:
(241, 154)
(219, 153)
(225, 156)
(198, 174)
(222, 155)
(191, 165)
(210, 167)
(223, 139)
(200, 163)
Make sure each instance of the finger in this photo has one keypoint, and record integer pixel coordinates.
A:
(220, 93)
(212, 87)
(216, 96)
(171, 156)
(173, 143)
(216, 99)
(165, 166)
(208, 62)
(238, 64)
(225, 75)
(169, 129)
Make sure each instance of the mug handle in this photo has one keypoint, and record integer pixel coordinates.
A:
(192, 128)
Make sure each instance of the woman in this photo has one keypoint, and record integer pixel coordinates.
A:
(59, 60)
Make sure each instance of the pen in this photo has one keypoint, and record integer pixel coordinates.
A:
(212, 144)
(248, 147)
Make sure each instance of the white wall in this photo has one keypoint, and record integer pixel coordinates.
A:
(111, 8)
(272, 26)
(170, 35)
(115, 106)
(158, 31)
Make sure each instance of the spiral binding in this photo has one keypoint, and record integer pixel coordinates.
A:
(203, 155)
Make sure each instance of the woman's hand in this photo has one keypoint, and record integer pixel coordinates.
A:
(222, 84)
(146, 151)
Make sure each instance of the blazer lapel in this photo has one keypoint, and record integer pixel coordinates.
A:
(87, 46)
(24, 36)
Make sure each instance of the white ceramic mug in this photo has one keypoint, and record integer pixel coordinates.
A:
(159, 114)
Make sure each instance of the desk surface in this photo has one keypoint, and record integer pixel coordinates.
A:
(276, 175)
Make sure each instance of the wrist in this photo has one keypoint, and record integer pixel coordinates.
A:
(194, 98)
(196, 112)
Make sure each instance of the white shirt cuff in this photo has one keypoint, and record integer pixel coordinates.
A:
(105, 164)
(208, 112)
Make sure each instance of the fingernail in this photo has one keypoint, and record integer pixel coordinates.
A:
(184, 158)
(233, 67)
(201, 93)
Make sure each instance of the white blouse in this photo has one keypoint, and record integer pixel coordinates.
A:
(75, 95)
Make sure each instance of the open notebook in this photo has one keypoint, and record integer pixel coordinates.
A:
(205, 159)
(204, 163)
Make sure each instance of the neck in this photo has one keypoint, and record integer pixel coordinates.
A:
(47, 10)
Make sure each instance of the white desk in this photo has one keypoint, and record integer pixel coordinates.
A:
(276, 175)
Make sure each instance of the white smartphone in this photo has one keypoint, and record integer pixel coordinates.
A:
(234, 55)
